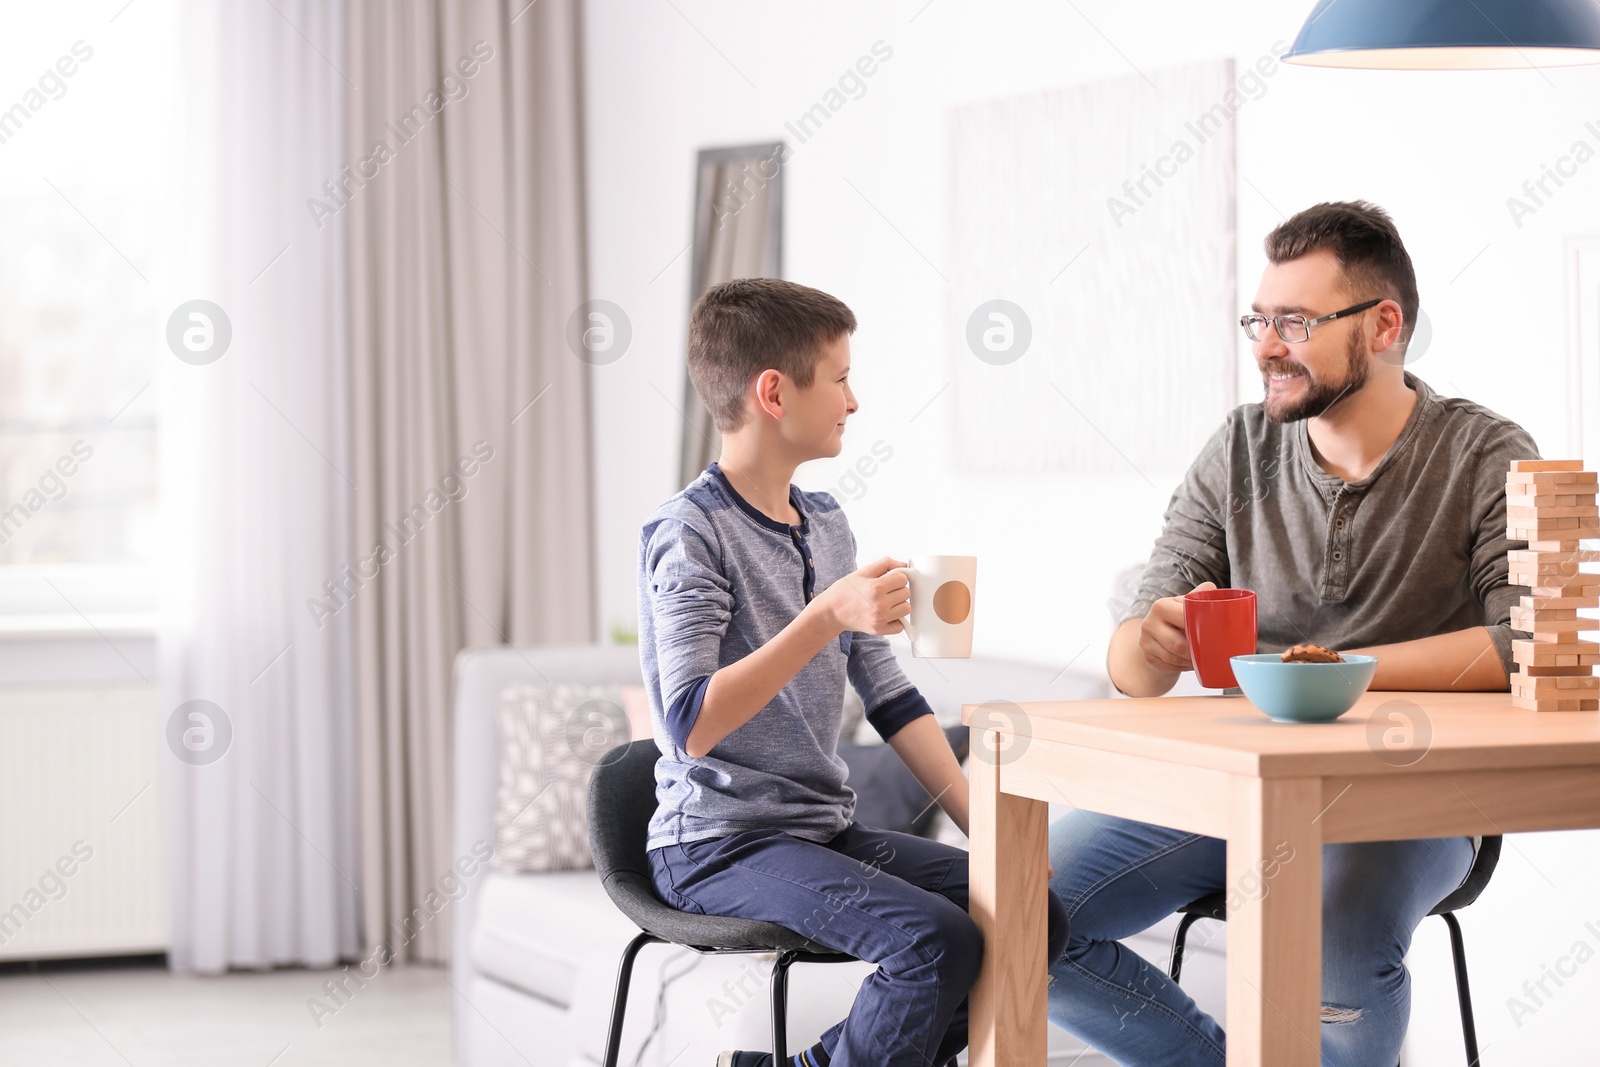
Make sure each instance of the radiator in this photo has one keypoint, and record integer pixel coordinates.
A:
(81, 856)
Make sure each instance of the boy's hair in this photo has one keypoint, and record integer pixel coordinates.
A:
(740, 328)
(1363, 238)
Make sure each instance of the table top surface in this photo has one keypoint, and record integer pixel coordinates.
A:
(1386, 732)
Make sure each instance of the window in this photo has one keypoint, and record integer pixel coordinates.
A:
(90, 117)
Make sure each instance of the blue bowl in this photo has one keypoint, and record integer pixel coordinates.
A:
(1303, 692)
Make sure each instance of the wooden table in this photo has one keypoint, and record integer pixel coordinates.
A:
(1396, 766)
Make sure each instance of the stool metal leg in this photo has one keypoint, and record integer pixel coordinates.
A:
(780, 1006)
(1458, 949)
(619, 1000)
(1175, 969)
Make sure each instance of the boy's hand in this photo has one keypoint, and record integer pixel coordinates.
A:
(869, 601)
(1162, 637)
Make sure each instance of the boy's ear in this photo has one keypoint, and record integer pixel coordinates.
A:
(769, 392)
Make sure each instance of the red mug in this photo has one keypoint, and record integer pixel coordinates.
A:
(1220, 623)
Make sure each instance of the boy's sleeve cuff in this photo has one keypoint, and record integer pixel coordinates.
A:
(685, 712)
(887, 718)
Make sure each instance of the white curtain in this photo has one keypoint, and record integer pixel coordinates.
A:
(390, 461)
(263, 858)
(470, 409)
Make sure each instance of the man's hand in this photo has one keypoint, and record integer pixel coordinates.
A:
(869, 601)
(1162, 637)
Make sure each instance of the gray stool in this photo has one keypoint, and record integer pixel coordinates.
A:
(1215, 907)
(622, 798)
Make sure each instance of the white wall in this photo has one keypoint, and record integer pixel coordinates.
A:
(1441, 151)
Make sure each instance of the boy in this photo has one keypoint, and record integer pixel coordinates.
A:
(752, 613)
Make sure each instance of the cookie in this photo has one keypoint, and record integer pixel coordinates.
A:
(1311, 654)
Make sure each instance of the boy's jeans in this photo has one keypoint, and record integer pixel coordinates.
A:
(1118, 877)
(892, 899)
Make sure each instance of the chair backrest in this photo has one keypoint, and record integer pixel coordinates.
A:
(1477, 878)
(622, 799)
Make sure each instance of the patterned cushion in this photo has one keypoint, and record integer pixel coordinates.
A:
(551, 738)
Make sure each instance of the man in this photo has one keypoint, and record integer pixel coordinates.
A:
(1368, 514)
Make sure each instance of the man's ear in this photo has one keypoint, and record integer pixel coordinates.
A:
(1392, 327)
(769, 392)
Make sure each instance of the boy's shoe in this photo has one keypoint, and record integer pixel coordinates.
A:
(745, 1059)
(809, 1058)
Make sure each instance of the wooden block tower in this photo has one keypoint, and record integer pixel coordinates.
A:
(1551, 505)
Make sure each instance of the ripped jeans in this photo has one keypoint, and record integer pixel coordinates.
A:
(1118, 877)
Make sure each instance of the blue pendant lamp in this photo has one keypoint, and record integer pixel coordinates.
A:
(1449, 34)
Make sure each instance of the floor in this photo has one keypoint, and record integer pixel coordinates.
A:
(138, 1014)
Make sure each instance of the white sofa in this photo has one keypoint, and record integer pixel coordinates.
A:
(535, 956)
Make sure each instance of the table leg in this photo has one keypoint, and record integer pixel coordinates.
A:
(1008, 877)
(1274, 923)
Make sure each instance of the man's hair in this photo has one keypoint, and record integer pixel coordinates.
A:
(1363, 238)
(740, 328)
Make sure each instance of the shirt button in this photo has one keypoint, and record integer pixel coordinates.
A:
(1339, 524)
(1337, 556)
(808, 561)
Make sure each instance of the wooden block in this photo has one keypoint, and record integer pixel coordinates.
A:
(1550, 670)
(1551, 528)
(1542, 614)
(1571, 626)
(1551, 637)
(1573, 683)
(1539, 514)
(1530, 465)
(1561, 496)
(1518, 575)
(1538, 704)
(1556, 694)
(1576, 555)
(1533, 653)
(1557, 654)
(1554, 564)
(1545, 587)
(1570, 496)
(1546, 633)
(1553, 545)
(1572, 568)
(1566, 574)
(1546, 531)
(1518, 479)
(1559, 603)
(1569, 573)
(1589, 501)
(1570, 685)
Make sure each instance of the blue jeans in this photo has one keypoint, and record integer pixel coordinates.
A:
(889, 898)
(1118, 877)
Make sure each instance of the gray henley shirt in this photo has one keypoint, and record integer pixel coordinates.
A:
(717, 580)
(1415, 549)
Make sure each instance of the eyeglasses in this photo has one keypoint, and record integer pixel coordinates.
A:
(1295, 328)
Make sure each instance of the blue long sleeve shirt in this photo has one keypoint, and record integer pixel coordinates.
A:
(717, 580)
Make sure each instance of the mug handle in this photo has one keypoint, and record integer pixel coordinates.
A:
(906, 622)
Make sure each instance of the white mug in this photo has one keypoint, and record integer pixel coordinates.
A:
(943, 594)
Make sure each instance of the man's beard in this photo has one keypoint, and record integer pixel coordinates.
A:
(1319, 396)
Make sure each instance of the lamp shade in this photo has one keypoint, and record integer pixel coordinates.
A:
(1449, 34)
